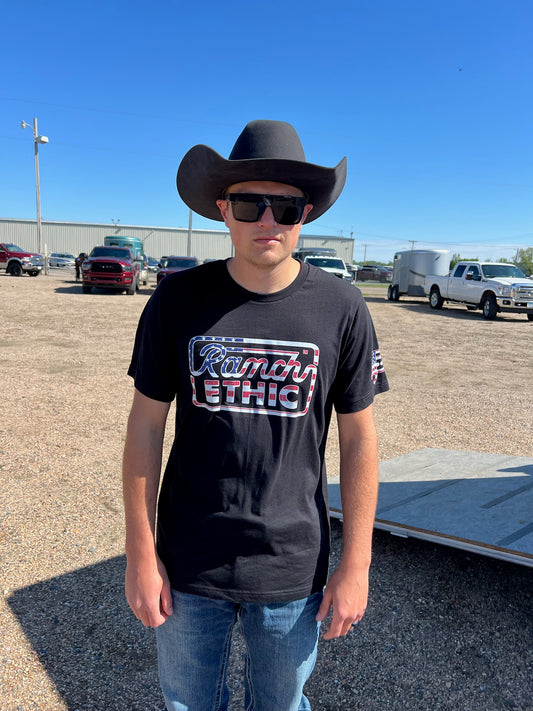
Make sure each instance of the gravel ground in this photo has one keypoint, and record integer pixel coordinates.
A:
(445, 630)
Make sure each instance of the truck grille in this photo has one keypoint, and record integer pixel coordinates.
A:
(106, 268)
(524, 291)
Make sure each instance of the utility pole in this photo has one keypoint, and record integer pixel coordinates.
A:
(36, 140)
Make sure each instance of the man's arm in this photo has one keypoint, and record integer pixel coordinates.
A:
(347, 588)
(147, 586)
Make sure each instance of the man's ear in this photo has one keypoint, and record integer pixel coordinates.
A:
(307, 210)
(223, 207)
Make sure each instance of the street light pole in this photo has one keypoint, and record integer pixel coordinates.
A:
(36, 140)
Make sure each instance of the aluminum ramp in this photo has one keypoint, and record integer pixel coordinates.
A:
(467, 500)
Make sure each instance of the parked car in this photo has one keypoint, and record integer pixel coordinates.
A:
(304, 252)
(111, 268)
(153, 264)
(493, 287)
(17, 261)
(143, 267)
(61, 259)
(169, 265)
(352, 269)
(386, 273)
(333, 265)
(373, 272)
(136, 246)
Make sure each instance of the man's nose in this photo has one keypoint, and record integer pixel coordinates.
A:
(267, 217)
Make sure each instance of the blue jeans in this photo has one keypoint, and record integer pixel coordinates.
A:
(194, 644)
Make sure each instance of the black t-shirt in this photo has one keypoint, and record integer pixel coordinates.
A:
(242, 513)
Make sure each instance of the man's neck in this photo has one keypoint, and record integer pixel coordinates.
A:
(263, 280)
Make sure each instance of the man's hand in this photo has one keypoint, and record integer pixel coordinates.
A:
(148, 592)
(347, 593)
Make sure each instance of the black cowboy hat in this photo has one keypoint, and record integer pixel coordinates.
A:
(265, 150)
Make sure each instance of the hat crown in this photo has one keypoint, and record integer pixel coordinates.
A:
(268, 139)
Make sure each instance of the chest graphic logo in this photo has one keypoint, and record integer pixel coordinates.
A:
(252, 375)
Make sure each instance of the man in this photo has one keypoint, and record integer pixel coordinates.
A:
(256, 351)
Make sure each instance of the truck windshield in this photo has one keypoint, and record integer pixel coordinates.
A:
(490, 271)
(179, 262)
(324, 262)
(116, 252)
(13, 248)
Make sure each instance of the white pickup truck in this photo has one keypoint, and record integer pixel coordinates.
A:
(334, 265)
(492, 287)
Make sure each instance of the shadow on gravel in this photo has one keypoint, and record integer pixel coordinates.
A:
(75, 288)
(458, 312)
(92, 647)
(444, 630)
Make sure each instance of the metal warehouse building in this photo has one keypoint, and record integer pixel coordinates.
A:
(76, 237)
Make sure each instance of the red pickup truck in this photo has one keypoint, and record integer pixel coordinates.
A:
(17, 261)
(111, 268)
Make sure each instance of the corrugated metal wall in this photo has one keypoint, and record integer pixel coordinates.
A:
(76, 237)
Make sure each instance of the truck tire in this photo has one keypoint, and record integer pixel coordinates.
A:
(14, 269)
(530, 317)
(34, 273)
(435, 299)
(131, 288)
(490, 307)
(86, 289)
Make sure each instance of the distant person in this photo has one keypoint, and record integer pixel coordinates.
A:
(256, 351)
(77, 264)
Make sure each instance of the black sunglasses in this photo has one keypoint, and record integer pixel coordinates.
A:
(249, 207)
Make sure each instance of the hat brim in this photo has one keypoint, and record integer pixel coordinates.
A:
(204, 175)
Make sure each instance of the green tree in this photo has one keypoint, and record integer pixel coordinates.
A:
(457, 258)
(524, 260)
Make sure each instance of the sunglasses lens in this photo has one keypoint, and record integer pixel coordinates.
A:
(248, 207)
(246, 210)
(287, 211)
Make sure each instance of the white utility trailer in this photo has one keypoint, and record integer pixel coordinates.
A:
(410, 269)
(469, 500)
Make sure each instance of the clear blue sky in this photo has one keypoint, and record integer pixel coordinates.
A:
(431, 102)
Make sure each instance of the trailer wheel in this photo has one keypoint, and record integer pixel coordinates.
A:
(435, 299)
(490, 307)
(396, 293)
(530, 317)
(389, 293)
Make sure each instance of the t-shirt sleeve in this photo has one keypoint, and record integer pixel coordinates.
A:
(360, 374)
(152, 359)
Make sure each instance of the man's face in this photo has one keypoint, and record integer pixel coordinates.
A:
(264, 243)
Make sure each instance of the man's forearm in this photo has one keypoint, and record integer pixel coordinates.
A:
(140, 480)
(347, 589)
(359, 486)
(147, 584)
(141, 472)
